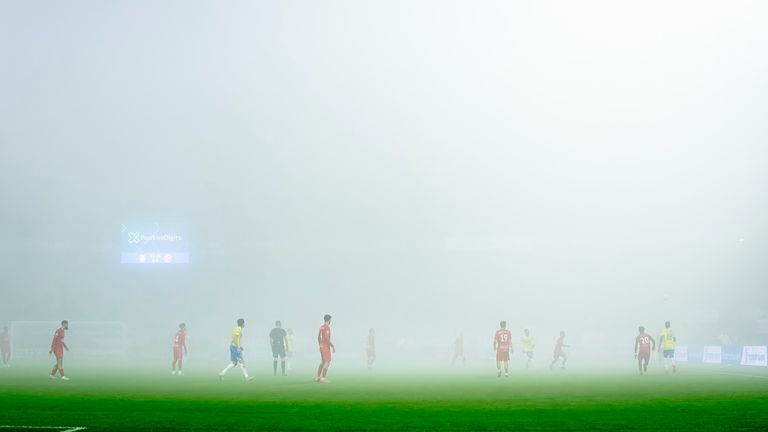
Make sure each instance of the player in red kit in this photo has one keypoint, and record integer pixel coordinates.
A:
(502, 344)
(57, 348)
(559, 352)
(179, 348)
(646, 343)
(326, 347)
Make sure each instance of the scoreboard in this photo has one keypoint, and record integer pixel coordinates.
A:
(154, 243)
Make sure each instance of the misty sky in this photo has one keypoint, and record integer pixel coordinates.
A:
(415, 166)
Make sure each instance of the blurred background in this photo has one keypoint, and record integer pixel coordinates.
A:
(424, 168)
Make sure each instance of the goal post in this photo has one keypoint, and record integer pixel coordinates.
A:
(86, 339)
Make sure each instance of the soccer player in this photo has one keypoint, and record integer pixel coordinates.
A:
(179, 348)
(502, 344)
(277, 341)
(370, 349)
(559, 352)
(528, 344)
(236, 352)
(667, 342)
(458, 350)
(326, 347)
(57, 348)
(289, 348)
(5, 347)
(646, 343)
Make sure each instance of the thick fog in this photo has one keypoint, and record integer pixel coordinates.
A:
(422, 168)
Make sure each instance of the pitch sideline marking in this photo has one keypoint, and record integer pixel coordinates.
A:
(63, 428)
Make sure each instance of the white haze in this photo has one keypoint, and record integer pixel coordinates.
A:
(423, 168)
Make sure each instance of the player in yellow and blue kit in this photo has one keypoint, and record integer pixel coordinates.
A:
(528, 344)
(667, 341)
(236, 351)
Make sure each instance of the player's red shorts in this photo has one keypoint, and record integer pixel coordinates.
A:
(325, 354)
(644, 355)
(59, 353)
(177, 351)
(502, 356)
(558, 354)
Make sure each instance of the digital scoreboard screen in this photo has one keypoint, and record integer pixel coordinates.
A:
(154, 243)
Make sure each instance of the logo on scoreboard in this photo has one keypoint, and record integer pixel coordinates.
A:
(154, 244)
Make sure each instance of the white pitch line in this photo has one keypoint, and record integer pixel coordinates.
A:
(63, 428)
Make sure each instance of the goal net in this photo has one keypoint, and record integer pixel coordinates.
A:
(85, 339)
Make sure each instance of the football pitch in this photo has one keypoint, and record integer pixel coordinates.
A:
(695, 399)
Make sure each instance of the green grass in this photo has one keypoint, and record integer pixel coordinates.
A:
(695, 399)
